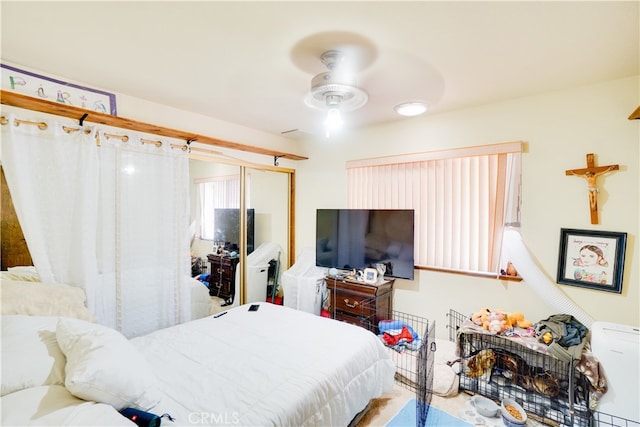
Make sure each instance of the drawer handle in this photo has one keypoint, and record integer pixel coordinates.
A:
(346, 302)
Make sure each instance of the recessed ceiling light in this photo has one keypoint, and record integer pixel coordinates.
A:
(411, 108)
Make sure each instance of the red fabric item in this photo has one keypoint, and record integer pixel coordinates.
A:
(393, 339)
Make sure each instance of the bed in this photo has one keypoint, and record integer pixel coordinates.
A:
(273, 366)
(201, 303)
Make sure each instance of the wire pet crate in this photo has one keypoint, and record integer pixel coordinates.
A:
(406, 356)
(456, 320)
(426, 361)
(497, 367)
(600, 419)
(414, 360)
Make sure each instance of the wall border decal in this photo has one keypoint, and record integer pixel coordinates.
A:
(38, 86)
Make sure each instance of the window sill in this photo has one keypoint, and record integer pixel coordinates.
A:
(473, 273)
(510, 278)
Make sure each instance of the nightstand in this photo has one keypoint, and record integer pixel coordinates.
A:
(360, 303)
(222, 282)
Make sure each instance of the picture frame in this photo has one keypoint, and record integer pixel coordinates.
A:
(592, 259)
(37, 86)
(370, 275)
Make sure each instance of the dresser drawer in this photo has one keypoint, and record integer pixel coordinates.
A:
(359, 303)
(363, 322)
(222, 289)
(354, 304)
(224, 274)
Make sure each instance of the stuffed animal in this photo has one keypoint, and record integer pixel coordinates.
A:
(511, 270)
(480, 317)
(496, 322)
(517, 319)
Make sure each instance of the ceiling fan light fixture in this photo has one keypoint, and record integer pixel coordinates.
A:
(334, 119)
(338, 86)
(410, 109)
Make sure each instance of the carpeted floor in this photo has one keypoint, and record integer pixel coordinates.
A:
(382, 410)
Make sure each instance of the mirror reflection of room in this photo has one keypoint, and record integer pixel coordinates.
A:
(217, 250)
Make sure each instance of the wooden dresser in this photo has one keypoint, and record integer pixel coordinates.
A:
(360, 303)
(222, 282)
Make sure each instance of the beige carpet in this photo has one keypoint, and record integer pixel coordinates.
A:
(382, 410)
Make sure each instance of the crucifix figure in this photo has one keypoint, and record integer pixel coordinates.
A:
(591, 173)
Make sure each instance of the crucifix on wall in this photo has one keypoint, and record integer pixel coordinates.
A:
(591, 174)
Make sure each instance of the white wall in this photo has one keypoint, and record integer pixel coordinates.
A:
(559, 129)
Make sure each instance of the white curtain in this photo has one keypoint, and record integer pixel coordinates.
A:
(112, 219)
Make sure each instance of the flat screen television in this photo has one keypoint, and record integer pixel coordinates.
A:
(227, 228)
(348, 239)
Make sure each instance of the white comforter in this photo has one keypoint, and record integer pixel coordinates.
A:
(275, 366)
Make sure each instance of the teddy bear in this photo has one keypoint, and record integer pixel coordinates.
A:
(517, 319)
(490, 320)
(498, 321)
(480, 317)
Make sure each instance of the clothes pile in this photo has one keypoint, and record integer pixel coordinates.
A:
(399, 335)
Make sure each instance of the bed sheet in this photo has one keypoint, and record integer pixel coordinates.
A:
(274, 366)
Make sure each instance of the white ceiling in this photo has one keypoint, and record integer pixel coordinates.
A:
(251, 63)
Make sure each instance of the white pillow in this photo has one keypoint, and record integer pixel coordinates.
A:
(55, 406)
(30, 353)
(44, 299)
(103, 366)
(22, 273)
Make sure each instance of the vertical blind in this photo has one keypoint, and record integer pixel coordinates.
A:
(461, 199)
(221, 192)
(216, 192)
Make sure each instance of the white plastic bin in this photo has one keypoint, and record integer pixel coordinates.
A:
(257, 279)
(617, 347)
(257, 273)
(303, 284)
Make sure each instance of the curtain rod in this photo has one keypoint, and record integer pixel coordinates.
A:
(124, 138)
(36, 104)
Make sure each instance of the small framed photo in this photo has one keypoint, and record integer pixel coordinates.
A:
(370, 275)
(592, 259)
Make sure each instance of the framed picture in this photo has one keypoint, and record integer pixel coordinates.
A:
(592, 259)
(370, 275)
(37, 86)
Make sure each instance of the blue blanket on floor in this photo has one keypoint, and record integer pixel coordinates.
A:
(407, 417)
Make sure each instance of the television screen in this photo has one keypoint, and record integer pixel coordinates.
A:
(361, 238)
(227, 228)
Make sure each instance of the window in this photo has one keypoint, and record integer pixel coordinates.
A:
(462, 198)
(215, 192)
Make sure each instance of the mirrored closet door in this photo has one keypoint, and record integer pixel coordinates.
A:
(241, 257)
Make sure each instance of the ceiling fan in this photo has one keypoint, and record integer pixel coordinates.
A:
(335, 90)
(357, 74)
